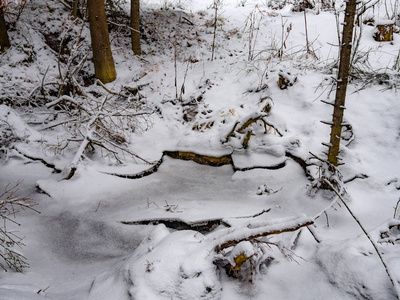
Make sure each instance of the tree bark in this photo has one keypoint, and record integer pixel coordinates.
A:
(135, 24)
(102, 56)
(4, 40)
(344, 70)
(74, 12)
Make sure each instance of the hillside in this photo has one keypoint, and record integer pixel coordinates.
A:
(138, 186)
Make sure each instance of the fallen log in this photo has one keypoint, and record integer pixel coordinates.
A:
(202, 226)
(214, 161)
(232, 237)
(240, 249)
(177, 224)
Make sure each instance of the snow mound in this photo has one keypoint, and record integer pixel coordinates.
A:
(354, 267)
(165, 266)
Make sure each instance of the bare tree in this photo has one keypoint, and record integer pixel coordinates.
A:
(342, 80)
(135, 24)
(102, 56)
(4, 40)
(74, 12)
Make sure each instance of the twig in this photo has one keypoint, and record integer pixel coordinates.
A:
(183, 83)
(43, 161)
(395, 210)
(176, 68)
(314, 234)
(123, 25)
(107, 90)
(256, 215)
(97, 208)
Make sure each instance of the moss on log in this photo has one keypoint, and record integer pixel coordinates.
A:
(384, 32)
(214, 161)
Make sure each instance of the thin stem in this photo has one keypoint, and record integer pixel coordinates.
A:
(216, 2)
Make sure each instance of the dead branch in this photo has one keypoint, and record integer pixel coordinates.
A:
(67, 99)
(357, 176)
(42, 160)
(201, 159)
(178, 224)
(109, 91)
(142, 174)
(237, 235)
(303, 163)
(256, 215)
(241, 127)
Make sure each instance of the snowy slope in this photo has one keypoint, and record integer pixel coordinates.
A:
(86, 242)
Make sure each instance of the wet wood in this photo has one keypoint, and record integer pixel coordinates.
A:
(384, 32)
(214, 161)
(177, 224)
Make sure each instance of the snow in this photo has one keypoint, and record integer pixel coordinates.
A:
(83, 244)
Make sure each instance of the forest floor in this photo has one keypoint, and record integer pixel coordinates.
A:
(116, 228)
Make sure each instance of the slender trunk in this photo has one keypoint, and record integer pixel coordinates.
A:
(74, 12)
(216, 2)
(135, 24)
(344, 70)
(102, 57)
(4, 40)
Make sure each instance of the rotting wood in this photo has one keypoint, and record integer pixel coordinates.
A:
(246, 139)
(177, 224)
(142, 174)
(273, 167)
(214, 161)
(202, 226)
(255, 120)
(239, 261)
(303, 164)
(384, 32)
(243, 129)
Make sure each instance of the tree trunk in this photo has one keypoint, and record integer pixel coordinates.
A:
(102, 57)
(135, 24)
(344, 70)
(4, 41)
(74, 12)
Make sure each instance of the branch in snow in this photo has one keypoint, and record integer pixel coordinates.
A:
(231, 237)
(40, 159)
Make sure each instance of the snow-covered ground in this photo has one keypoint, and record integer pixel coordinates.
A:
(87, 242)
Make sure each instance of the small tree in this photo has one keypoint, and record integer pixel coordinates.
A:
(135, 24)
(4, 40)
(344, 70)
(102, 57)
(74, 12)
